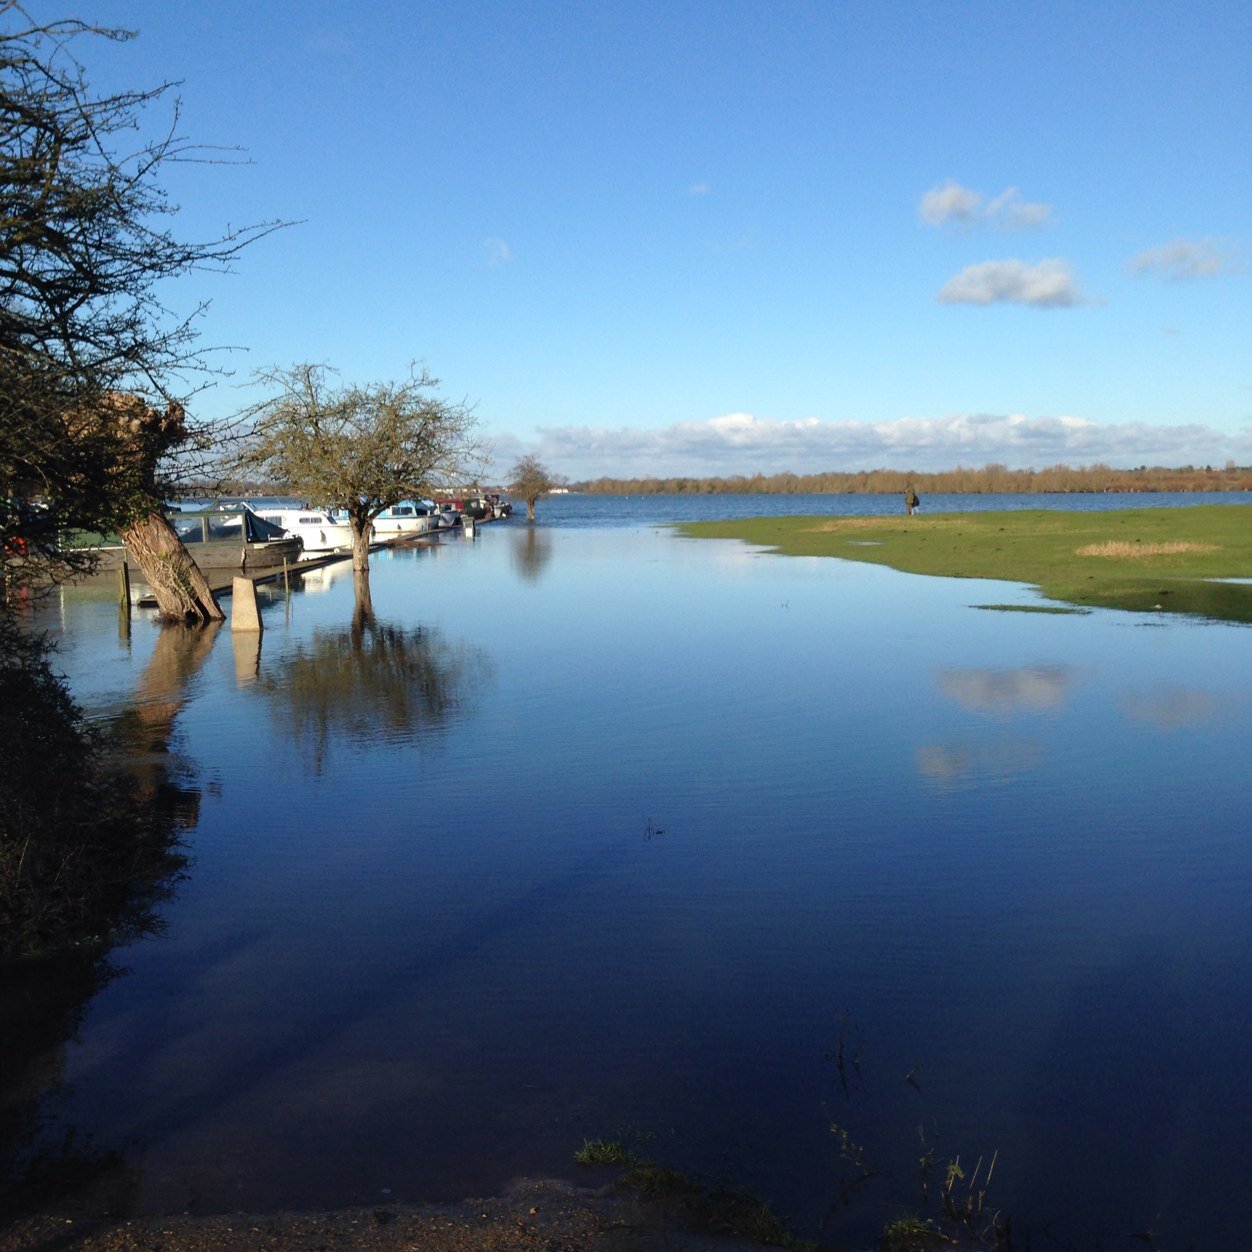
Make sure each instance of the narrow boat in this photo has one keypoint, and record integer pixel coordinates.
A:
(222, 537)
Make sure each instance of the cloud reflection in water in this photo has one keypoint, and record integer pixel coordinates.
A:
(948, 764)
(1170, 708)
(999, 692)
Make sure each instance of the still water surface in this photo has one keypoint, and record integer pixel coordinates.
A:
(607, 832)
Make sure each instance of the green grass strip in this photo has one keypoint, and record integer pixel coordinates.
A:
(1163, 559)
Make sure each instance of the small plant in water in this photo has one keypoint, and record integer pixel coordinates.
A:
(964, 1202)
(912, 1234)
(716, 1209)
(604, 1152)
(839, 1055)
(861, 1172)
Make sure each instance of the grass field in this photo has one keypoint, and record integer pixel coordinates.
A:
(1166, 559)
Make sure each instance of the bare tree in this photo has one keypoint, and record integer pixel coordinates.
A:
(84, 249)
(359, 448)
(530, 480)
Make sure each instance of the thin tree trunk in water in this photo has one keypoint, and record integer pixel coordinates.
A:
(180, 588)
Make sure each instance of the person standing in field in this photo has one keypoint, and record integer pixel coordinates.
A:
(911, 500)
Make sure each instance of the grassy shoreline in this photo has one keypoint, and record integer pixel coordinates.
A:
(1145, 560)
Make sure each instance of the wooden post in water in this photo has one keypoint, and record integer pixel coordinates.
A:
(123, 602)
(286, 580)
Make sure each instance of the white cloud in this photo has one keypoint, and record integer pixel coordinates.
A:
(1188, 258)
(1050, 284)
(739, 443)
(952, 205)
(497, 251)
(698, 189)
(1010, 212)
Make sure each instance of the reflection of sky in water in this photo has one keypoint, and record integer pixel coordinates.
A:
(1009, 847)
(1036, 688)
(1171, 708)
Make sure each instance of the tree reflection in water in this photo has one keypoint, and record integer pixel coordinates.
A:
(110, 843)
(363, 612)
(530, 551)
(371, 682)
(145, 733)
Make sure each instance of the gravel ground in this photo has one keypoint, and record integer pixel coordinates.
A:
(532, 1216)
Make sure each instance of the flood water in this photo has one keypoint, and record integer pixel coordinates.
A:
(604, 832)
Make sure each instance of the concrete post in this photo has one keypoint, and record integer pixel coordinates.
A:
(245, 611)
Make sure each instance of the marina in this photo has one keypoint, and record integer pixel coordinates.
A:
(273, 551)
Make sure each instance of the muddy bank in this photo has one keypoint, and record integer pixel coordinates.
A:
(531, 1216)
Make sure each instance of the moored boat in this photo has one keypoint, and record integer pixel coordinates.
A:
(318, 528)
(220, 537)
(481, 508)
(406, 518)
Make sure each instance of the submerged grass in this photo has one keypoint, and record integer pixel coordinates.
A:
(604, 1152)
(718, 1210)
(1055, 609)
(913, 1234)
(1171, 560)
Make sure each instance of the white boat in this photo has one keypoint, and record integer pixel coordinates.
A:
(321, 532)
(408, 517)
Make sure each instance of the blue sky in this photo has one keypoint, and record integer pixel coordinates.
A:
(733, 237)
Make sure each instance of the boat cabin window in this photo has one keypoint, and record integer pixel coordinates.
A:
(227, 526)
(402, 510)
(189, 528)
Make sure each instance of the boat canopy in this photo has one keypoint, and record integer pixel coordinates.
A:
(223, 524)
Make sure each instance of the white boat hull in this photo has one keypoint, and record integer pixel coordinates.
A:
(320, 532)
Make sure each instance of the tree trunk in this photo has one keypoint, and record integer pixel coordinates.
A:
(361, 528)
(180, 588)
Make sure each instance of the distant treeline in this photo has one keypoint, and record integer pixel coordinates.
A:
(990, 478)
